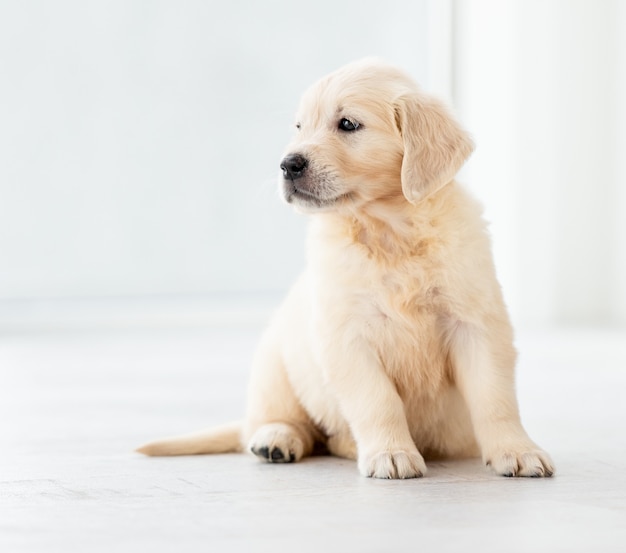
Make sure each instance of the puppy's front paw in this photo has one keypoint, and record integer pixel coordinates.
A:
(521, 461)
(277, 443)
(397, 463)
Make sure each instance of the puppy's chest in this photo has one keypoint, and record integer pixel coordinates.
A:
(402, 287)
(402, 291)
(401, 323)
(397, 301)
(401, 309)
(390, 283)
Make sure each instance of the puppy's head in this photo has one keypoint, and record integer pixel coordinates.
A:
(366, 133)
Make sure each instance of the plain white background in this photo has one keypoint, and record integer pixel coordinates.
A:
(542, 85)
(140, 142)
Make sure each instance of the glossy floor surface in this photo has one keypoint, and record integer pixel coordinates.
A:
(74, 403)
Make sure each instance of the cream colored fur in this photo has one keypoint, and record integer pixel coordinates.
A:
(395, 344)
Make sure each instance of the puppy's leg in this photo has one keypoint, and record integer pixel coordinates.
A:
(374, 410)
(277, 428)
(484, 371)
(342, 444)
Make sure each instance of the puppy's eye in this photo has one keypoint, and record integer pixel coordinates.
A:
(298, 126)
(347, 125)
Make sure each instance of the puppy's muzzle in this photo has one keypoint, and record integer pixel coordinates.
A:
(293, 166)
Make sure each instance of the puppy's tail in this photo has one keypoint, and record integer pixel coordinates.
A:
(223, 439)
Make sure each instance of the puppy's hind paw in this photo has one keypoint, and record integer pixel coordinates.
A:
(277, 443)
(393, 464)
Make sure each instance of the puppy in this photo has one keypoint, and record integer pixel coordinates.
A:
(395, 344)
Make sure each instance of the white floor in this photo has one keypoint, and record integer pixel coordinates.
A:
(74, 403)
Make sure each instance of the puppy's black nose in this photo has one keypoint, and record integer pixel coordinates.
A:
(293, 166)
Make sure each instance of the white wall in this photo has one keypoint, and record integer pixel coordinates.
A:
(140, 140)
(541, 84)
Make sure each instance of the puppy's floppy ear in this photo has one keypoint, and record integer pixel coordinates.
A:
(435, 146)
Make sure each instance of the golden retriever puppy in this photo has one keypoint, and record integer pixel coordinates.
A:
(395, 344)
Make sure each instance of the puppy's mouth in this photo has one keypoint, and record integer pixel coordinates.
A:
(308, 186)
(299, 194)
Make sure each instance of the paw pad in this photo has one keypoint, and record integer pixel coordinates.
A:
(273, 455)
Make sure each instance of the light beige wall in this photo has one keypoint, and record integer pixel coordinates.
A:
(541, 85)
